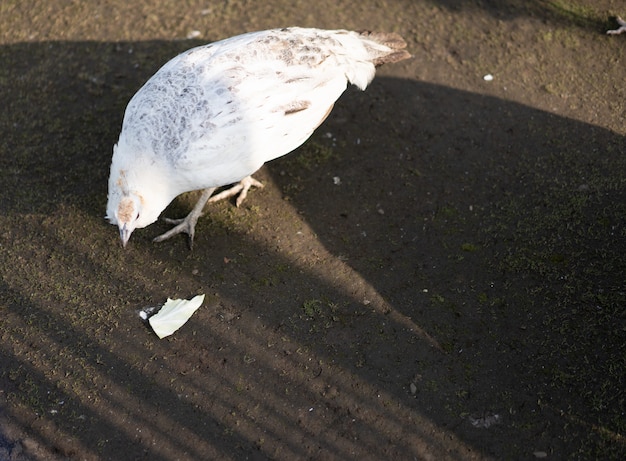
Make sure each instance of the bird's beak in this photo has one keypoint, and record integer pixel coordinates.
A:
(125, 234)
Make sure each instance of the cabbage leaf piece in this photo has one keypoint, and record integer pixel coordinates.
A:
(173, 315)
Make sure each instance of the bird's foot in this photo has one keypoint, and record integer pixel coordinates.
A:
(241, 188)
(620, 30)
(187, 224)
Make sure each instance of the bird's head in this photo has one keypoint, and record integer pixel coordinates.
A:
(130, 211)
(127, 214)
(137, 195)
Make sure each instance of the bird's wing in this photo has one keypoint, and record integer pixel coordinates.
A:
(218, 112)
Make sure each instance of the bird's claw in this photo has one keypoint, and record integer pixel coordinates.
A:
(183, 225)
(187, 225)
(241, 188)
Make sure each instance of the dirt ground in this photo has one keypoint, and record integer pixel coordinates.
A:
(438, 273)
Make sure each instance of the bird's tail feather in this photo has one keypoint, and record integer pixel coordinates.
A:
(392, 49)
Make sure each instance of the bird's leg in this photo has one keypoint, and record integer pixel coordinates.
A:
(187, 224)
(240, 188)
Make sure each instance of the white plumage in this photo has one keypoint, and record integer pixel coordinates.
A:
(214, 114)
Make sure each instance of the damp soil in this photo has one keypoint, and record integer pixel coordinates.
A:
(437, 273)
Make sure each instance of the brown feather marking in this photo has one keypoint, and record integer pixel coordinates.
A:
(297, 106)
(392, 57)
(126, 210)
(390, 40)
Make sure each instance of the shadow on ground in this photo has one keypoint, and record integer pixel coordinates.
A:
(435, 274)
